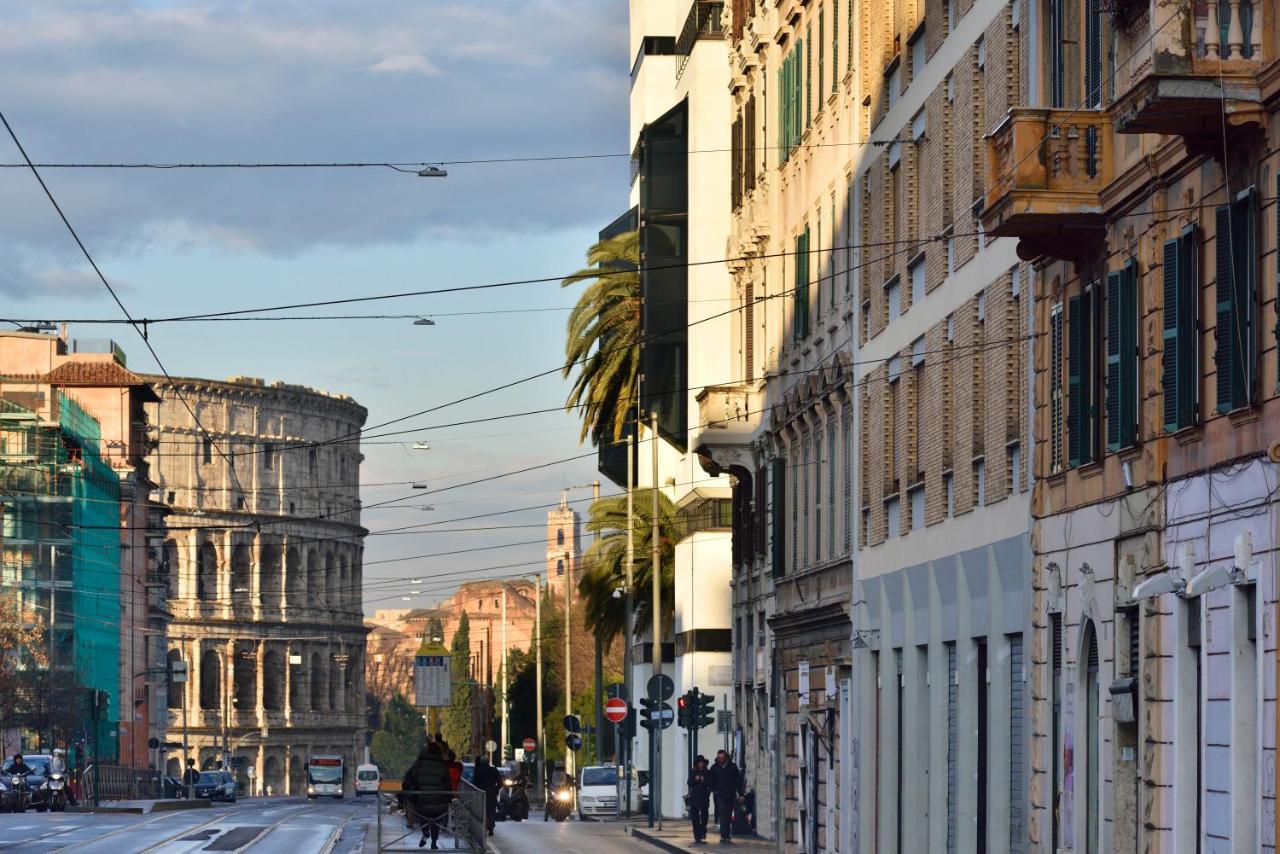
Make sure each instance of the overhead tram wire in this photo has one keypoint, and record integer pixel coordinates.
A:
(140, 329)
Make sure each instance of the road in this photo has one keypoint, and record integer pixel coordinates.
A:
(277, 826)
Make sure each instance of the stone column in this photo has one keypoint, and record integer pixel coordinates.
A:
(260, 690)
(255, 576)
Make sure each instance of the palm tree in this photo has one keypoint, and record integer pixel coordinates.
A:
(607, 569)
(602, 338)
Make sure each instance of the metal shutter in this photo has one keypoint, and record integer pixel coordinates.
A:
(1170, 354)
(778, 519)
(1075, 393)
(953, 748)
(1115, 382)
(1017, 748)
(1225, 354)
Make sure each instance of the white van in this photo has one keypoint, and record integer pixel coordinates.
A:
(367, 778)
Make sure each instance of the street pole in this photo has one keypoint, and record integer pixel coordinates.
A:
(540, 752)
(568, 653)
(186, 749)
(628, 634)
(503, 679)
(599, 692)
(655, 774)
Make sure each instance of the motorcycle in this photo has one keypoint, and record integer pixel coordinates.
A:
(560, 804)
(513, 801)
(57, 786)
(17, 794)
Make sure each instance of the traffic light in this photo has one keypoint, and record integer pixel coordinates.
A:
(684, 709)
(703, 713)
(647, 709)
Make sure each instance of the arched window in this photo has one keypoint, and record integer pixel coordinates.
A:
(272, 585)
(317, 683)
(174, 689)
(295, 578)
(298, 695)
(210, 680)
(173, 565)
(246, 680)
(240, 572)
(315, 578)
(559, 567)
(560, 537)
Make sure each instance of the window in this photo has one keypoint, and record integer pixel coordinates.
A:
(917, 54)
(982, 306)
(917, 126)
(806, 466)
(916, 497)
(808, 88)
(560, 537)
(917, 352)
(312, 459)
(800, 294)
(777, 520)
(895, 157)
(818, 468)
(1055, 389)
(948, 7)
(948, 490)
(893, 298)
(1122, 357)
(1083, 341)
(1015, 467)
(790, 100)
(916, 271)
(866, 320)
(822, 51)
(833, 469)
(980, 483)
(1180, 357)
(893, 85)
(891, 515)
(846, 467)
(795, 508)
(982, 54)
(206, 452)
(559, 567)
(835, 41)
(951, 89)
(268, 456)
(1236, 254)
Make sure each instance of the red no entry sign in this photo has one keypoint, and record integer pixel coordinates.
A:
(530, 745)
(615, 710)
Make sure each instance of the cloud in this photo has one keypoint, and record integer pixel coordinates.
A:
(115, 81)
(406, 63)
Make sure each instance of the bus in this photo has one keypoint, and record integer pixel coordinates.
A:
(325, 777)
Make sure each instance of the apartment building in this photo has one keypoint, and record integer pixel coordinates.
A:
(1138, 170)
(881, 584)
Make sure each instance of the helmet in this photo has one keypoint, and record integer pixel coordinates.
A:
(58, 751)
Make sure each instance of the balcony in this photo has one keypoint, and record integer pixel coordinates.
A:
(1045, 173)
(705, 21)
(729, 415)
(1193, 64)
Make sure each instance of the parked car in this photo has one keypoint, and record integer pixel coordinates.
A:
(216, 786)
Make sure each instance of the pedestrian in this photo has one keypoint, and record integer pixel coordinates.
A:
(426, 787)
(726, 785)
(487, 779)
(455, 769)
(699, 798)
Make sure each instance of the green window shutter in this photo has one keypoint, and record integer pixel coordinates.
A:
(777, 518)
(808, 84)
(1244, 247)
(1115, 382)
(1075, 397)
(804, 287)
(1171, 352)
(822, 52)
(1189, 326)
(1224, 355)
(1129, 363)
(835, 42)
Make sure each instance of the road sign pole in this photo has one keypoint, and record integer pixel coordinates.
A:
(655, 771)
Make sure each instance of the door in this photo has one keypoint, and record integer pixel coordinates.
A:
(1091, 816)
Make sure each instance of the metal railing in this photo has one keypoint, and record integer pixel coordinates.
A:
(706, 20)
(460, 820)
(118, 783)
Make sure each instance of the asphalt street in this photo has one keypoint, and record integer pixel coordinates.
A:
(278, 826)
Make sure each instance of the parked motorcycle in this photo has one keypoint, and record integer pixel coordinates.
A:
(560, 803)
(513, 800)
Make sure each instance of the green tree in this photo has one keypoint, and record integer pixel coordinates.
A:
(602, 338)
(458, 718)
(397, 742)
(607, 556)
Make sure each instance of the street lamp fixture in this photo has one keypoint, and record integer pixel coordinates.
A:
(433, 172)
(424, 321)
(421, 446)
(419, 484)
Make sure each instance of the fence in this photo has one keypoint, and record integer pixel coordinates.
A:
(117, 783)
(462, 826)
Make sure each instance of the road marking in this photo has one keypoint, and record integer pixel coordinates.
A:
(133, 827)
(267, 830)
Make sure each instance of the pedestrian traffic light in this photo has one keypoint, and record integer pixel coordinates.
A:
(684, 709)
(703, 712)
(647, 708)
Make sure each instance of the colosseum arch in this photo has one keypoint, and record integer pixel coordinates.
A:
(207, 572)
(241, 574)
(273, 775)
(317, 682)
(344, 582)
(273, 681)
(336, 683)
(210, 680)
(332, 597)
(298, 695)
(295, 576)
(245, 680)
(315, 579)
(173, 563)
(272, 585)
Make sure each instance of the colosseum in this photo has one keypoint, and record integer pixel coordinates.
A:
(263, 551)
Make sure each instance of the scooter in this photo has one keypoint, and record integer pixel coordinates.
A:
(57, 786)
(560, 804)
(513, 801)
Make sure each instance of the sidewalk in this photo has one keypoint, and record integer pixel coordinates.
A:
(677, 837)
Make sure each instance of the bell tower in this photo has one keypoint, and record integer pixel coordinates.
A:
(563, 530)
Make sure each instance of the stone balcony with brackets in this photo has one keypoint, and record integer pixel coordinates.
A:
(1192, 69)
(729, 416)
(1046, 170)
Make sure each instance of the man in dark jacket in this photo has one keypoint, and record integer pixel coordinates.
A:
(726, 785)
(487, 779)
(426, 786)
(699, 798)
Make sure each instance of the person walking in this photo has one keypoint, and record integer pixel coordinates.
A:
(426, 786)
(699, 798)
(726, 785)
(487, 779)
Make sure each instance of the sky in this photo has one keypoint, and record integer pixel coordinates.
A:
(282, 81)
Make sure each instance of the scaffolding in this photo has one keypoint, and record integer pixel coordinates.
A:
(60, 545)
